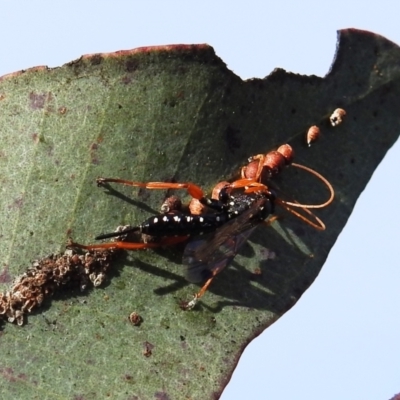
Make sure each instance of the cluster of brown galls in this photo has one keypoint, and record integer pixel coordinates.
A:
(49, 274)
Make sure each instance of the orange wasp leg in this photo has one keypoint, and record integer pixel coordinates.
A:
(250, 185)
(129, 245)
(194, 190)
(201, 292)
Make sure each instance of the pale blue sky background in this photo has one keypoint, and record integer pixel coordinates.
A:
(341, 341)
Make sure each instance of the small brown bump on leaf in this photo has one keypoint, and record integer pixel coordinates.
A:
(171, 203)
(131, 65)
(62, 110)
(312, 134)
(148, 347)
(337, 117)
(135, 319)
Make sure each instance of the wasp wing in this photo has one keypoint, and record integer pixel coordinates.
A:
(202, 256)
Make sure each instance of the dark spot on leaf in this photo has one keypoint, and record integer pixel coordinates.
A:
(119, 106)
(126, 80)
(375, 113)
(96, 59)
(232, 137)
(17, 203)
(93, 157)
(184, 345)
(5, 277)
(161, 396)
(131, 65)
(181, 70)
(165, 323)
(8, 374)
(37, 100)
(170, 102)
(293, 111)
(352, 161)
(182, 337)
(148, 347)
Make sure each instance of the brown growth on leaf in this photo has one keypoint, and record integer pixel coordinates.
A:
(337, 117)
(48, 275)
(312, 134)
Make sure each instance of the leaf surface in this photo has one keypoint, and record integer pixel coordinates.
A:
(161, 114)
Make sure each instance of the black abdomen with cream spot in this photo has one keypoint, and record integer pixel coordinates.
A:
(179, 224)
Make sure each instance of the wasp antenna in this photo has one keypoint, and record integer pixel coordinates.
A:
(319, 225)
(320, 177)
(117, 233)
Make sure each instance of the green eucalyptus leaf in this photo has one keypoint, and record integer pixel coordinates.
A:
(161, 114)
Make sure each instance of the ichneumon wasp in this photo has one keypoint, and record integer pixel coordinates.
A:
(233, 212)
